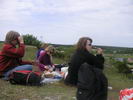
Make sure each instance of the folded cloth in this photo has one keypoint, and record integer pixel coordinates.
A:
(49, 80)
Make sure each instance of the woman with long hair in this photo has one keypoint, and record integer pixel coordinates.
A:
(85, 72)
(11, 55)
(45, 59)
(83, 55)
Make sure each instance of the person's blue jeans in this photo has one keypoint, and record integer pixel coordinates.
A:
(22, 67)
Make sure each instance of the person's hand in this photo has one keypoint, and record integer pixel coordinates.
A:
(20, 39)
(99, 51)
(53, 66)
(46, 67)
(50, 69)
(34, 63)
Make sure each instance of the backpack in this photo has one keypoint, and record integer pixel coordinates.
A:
(92, 83)
(25, 77)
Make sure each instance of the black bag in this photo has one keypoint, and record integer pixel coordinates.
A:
(25, 77)
(92, 83)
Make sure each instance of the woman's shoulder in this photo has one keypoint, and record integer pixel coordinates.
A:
(43, 53)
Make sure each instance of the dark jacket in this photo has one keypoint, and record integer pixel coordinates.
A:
(92, 83)
(80, 57)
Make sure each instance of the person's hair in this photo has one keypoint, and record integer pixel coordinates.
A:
(81, 44)
(10, 36)
(50, 49)
(44, 45)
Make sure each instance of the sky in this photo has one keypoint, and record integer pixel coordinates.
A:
(107, 22)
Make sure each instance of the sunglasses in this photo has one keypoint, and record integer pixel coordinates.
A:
(89, 44)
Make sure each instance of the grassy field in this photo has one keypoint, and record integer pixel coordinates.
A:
(59, 91)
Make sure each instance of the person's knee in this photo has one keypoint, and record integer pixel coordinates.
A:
(29, 67)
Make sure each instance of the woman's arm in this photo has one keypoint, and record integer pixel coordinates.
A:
(97, 61)
(11, 51)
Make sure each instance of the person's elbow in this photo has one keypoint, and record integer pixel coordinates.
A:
(20, 54)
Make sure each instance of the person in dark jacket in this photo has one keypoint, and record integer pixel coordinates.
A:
(11, 55)
(83, 55)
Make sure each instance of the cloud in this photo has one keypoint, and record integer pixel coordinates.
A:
(18, 9)
(14, 10)
(69, 19)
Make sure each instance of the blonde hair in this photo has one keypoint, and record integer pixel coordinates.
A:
(10, 36)
(50, 49)
(44, 45)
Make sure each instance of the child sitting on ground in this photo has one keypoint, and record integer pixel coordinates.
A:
(45, 59)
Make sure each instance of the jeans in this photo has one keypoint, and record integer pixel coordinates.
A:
(22, 67)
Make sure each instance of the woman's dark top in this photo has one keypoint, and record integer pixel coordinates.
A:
(80, 57)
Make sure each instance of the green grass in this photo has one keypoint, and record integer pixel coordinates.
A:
(30, 53)
(56, 91)
(59, 91)
(58, 61)
(117, 81)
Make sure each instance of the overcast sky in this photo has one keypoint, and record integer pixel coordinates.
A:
(107, 22)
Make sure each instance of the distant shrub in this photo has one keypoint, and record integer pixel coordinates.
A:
(111, 59)
(68, 53)
(130, 76)
(64, 53)
(122, 67)
(31, 40)
(59, 54)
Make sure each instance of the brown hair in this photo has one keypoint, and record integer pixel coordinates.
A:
(81, 44)
(50, 49)
(10, 36)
